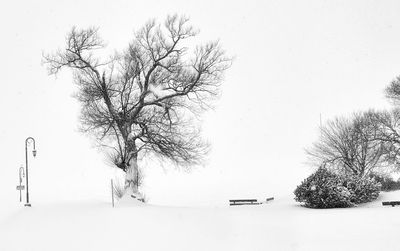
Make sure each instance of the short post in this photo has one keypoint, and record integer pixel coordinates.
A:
(112, 193)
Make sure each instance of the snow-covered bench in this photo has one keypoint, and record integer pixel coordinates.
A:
(248, 202)
(243, 202)
(391, 203)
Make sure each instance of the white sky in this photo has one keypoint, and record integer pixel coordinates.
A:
(294, 61)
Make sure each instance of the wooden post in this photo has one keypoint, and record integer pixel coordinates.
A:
(112, 193)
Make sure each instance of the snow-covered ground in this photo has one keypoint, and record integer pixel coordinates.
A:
(279, 225)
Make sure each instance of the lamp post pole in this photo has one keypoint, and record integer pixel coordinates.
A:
(27, 141)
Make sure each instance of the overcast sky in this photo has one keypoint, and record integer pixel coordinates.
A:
(294, 60)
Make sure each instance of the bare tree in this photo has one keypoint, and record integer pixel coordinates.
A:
(393, 91)
(143, 100)
(390, 124)
(349, 145)
(387, 125)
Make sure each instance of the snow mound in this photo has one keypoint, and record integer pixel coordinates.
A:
(129, 200)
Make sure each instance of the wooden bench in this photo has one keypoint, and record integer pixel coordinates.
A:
(391, 203)
(248, 202)
(243, 202)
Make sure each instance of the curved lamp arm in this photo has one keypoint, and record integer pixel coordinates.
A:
(27, 141)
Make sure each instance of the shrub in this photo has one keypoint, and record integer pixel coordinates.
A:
(362, 189)
(325, 189)
(387, 182)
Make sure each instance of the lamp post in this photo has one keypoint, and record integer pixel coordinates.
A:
(21, 175)
(27, 141)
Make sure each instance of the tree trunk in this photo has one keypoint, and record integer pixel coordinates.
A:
(132, 171)
(131, 177)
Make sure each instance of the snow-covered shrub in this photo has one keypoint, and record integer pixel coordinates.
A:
(363, 189)
(323, 189)
(387, 182)
(326, 189)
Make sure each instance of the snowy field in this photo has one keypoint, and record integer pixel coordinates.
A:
(279, 225)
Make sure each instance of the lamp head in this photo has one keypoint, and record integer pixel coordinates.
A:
(34, 152)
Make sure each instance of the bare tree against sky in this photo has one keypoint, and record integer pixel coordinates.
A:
(350, 145)
(144, 99)
(388, 132)
(392, 91)
(390, 123)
